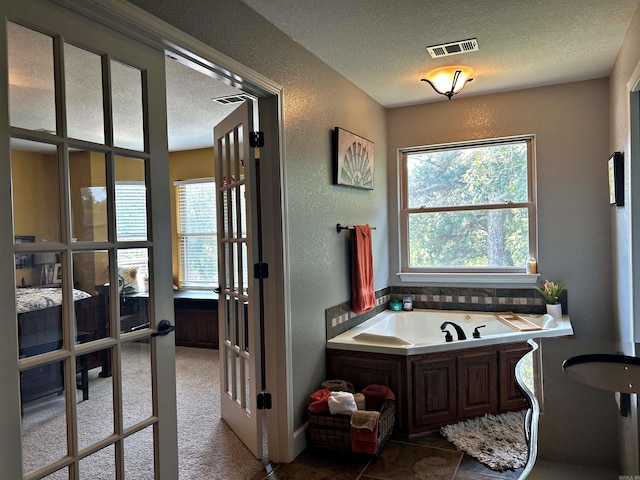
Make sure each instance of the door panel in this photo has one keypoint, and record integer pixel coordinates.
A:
(87, 148)
(238, 358)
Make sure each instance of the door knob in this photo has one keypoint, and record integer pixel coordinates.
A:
(164, 328)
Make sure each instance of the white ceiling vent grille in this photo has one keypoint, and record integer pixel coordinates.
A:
(453, 48)
(231, 99)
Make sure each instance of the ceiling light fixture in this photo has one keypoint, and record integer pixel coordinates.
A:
(449, 81)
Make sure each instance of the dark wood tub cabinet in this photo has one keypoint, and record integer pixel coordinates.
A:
(437, 389)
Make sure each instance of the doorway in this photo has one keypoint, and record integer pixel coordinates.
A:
(196, 102)
(158, 276)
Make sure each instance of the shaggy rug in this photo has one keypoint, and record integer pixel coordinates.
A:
(496, 441)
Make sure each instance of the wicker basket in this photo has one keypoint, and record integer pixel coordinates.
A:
(334, 431)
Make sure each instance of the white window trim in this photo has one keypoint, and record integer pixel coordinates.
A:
(181, 282)
(470, 279)
(507, 277)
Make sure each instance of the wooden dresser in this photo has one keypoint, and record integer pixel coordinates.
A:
(196, 315)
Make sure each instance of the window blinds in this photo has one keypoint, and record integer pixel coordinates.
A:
(196, 210)
(131, 225)
(131, 211)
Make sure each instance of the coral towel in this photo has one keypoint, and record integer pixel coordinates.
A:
(363, 297)
(320, 401)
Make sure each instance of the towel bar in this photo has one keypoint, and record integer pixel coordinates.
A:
(339, 228)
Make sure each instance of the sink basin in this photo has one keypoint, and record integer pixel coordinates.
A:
(618, 373)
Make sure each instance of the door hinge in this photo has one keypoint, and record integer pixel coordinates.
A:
(261, 270)
(264, 401)
(256, 139)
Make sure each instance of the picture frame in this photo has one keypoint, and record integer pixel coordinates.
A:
(24, 260)
(353, 160)
(57, 273)
(616, 179)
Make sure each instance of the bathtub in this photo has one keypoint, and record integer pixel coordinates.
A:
(418, 331)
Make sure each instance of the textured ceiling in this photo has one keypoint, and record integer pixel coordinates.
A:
(380, 45)
(191, 115)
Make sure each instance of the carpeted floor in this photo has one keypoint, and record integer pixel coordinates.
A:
(207, 448)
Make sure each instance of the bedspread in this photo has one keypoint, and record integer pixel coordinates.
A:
(37, 298)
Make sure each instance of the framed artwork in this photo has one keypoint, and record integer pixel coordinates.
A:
(354, 160)
(24, 260)
(616, 179)
(57, 273)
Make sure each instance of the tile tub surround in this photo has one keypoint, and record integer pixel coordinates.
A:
(341, 318)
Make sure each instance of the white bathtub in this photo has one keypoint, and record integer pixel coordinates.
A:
(416, 332)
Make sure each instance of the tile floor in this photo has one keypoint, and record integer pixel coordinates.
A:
(426, 458)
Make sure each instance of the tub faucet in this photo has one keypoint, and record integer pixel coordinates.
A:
(461, 335)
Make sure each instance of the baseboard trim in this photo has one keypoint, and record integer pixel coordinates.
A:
(300, 440)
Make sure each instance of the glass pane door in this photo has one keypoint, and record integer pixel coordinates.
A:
(239, 358)
(86, 294)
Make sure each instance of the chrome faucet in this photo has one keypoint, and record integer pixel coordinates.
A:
(461, 335)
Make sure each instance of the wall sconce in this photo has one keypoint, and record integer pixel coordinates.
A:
(449, 81)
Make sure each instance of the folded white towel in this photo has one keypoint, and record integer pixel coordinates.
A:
(342, 402)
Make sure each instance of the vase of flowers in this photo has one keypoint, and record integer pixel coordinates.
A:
(551, 292)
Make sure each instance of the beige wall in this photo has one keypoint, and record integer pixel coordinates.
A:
(186, 165)
(571, 127)
(36, 202)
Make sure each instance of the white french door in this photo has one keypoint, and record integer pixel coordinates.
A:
(88, 387)
(239, 339)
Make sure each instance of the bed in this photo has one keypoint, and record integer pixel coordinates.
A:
(30, 299)
(40, 331)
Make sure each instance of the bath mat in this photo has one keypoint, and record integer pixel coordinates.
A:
(496, 441)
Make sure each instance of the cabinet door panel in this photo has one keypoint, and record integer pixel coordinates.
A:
(434, 391)
(510, 396)
(196, 327)
(477, 384)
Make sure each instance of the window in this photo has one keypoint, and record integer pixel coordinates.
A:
(197, 234)
(468, 207)
(131, 220)
(131, 211)
(131, 226)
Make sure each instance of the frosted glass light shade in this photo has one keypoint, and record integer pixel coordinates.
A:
(449, 81)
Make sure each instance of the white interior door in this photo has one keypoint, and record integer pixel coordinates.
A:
(84, 166)
(239, 342)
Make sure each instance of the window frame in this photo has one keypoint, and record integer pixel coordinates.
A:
(472, 274)
(214, 234)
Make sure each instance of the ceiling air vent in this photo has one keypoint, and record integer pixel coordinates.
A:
(453, 48)
(231, 99)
